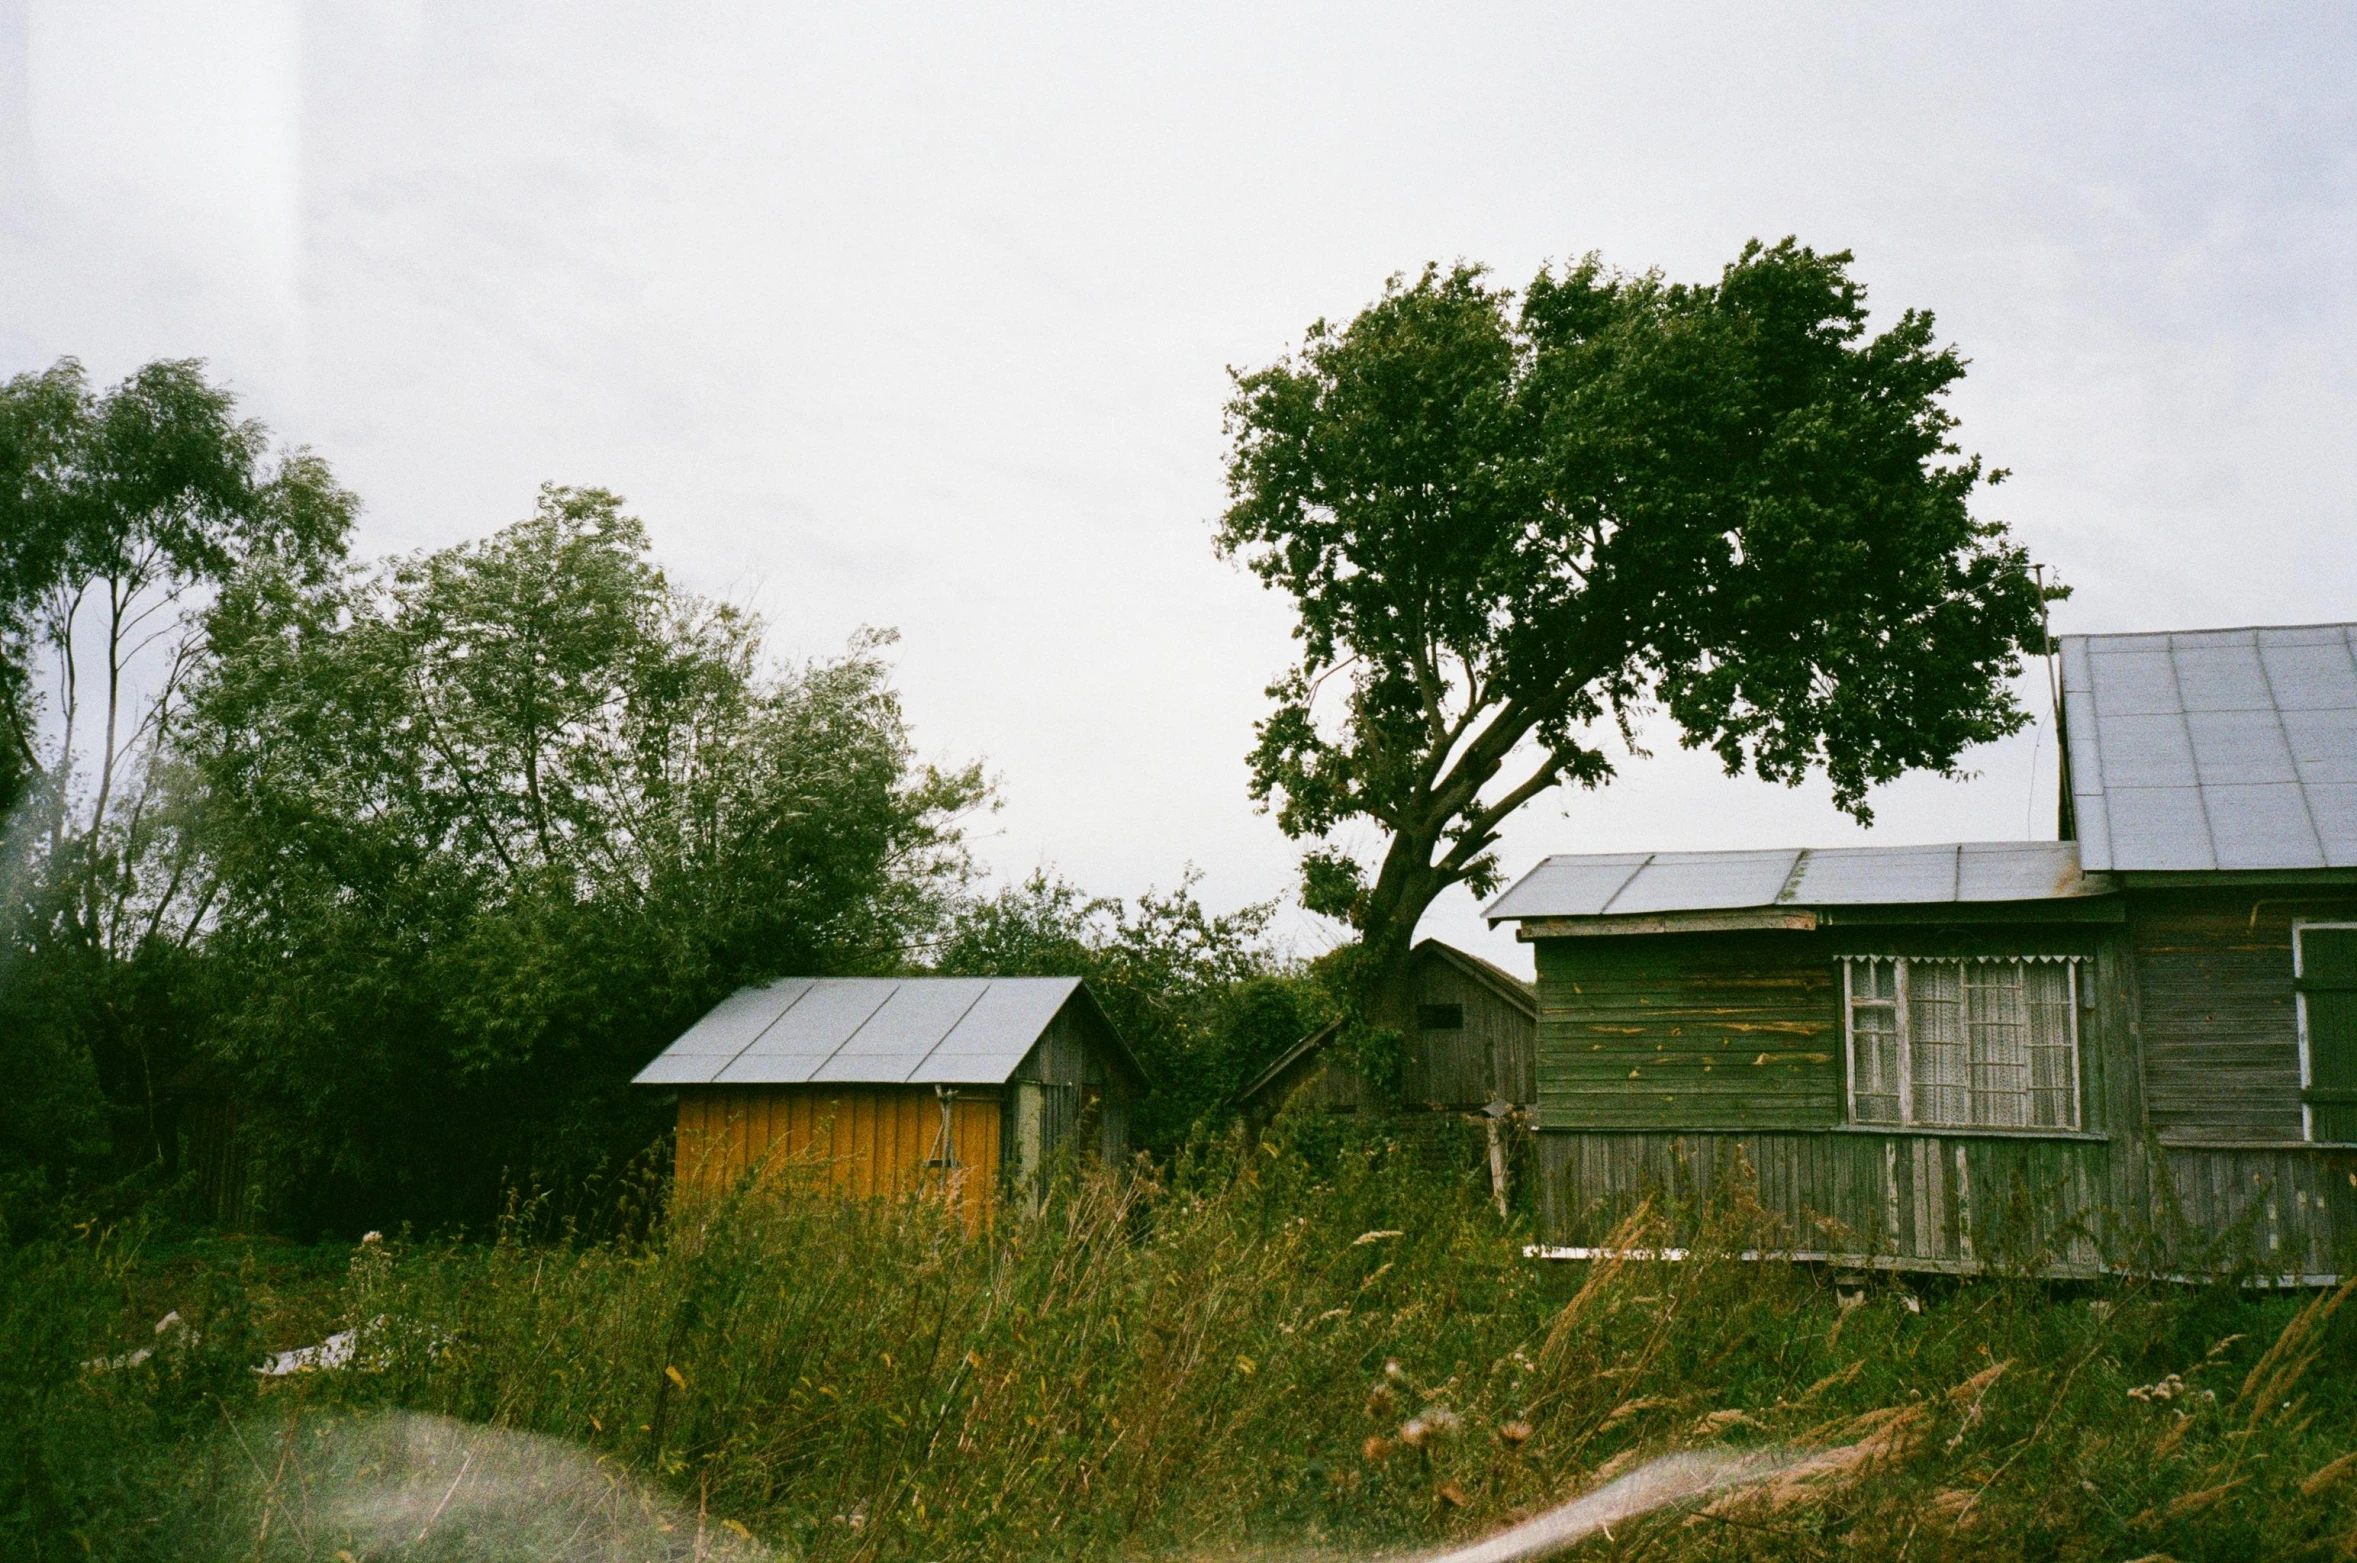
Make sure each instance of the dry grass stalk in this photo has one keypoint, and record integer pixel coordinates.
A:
(2325, 1475)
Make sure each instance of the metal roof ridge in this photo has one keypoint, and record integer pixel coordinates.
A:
(816, 1068)
(1624, 884)
(979, 994)
(809, 986)
(2201, 798)
(1792, 876)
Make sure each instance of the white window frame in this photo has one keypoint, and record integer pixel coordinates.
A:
(2300, 1009)
(1901, 966)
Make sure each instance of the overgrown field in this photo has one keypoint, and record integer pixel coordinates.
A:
(1266, 1351)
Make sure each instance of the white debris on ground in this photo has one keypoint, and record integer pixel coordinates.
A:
(336, 1351)
(340, 1350)
(170, 1328)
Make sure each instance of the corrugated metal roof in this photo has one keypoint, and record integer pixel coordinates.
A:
(2214, 749)
(1614, 884)
(866, 1031)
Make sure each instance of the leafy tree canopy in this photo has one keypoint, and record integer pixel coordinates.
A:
(1504, 520)
(1203, 999)
(123, 513)
(122, 501)
(497, 823)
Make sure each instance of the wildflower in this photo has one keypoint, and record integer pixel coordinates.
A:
(1380, 1401)
(1376, 1447)
(1514, 1433)
(1436, 1423)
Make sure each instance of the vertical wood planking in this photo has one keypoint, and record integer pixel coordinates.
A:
(863, 1142)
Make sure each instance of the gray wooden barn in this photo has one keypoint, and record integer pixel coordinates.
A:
(1475, 1044)
(2133, 1047)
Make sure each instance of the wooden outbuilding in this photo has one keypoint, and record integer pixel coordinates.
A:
(883, 1086)
(1475, 1045)
(2133, 1047)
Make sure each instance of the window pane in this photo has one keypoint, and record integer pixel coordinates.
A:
(2054, 1095)
(1998, 1027)
(1874, 1042)
(1936, 1042)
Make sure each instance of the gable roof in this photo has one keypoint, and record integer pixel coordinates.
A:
(1506, 985)
(873, 1031)
(2212, 749)
(1633, 884)
(1496, 978)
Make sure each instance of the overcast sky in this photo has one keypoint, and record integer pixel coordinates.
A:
(920, 316)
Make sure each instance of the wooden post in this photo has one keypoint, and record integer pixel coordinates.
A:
(1493, 1119)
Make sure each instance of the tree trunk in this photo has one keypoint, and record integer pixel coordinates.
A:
(1396, 902)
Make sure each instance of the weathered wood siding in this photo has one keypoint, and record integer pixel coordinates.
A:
(1696, 1031)
(2126, 1189)
(1081, 1089)
(2216, 1011)
(1314, 1081)
(862, 1141)
(1493, 1056)
(1940, 1202)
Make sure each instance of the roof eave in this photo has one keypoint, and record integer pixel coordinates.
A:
(2104, 906)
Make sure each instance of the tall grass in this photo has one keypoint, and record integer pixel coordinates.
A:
(1286, 1345)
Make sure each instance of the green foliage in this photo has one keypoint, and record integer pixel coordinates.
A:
(494, 825)
(1204, 1001)
(122, 514)
(1505, 521)
(1337, 1349)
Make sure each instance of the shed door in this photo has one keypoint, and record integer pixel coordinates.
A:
(2328, 1006)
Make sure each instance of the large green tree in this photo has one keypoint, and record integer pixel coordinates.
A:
(124, 514)
(494, 824)
(1510, 523)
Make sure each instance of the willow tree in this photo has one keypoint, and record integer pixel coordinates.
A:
(1515, 527)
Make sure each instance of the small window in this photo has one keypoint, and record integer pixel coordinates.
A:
(1441, 1017)
(2324, 973)
(1963, 1044)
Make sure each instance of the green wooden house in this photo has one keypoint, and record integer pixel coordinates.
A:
(2134, 1047)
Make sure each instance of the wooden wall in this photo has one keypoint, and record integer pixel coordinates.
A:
(2187, 1000)
(2215, 1009)
(1493, 1056)
(1701, 1031)
(865, 1141)
(1081, 1089)
(1313, 1081)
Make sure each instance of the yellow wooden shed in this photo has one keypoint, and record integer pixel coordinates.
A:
(885, 1086)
